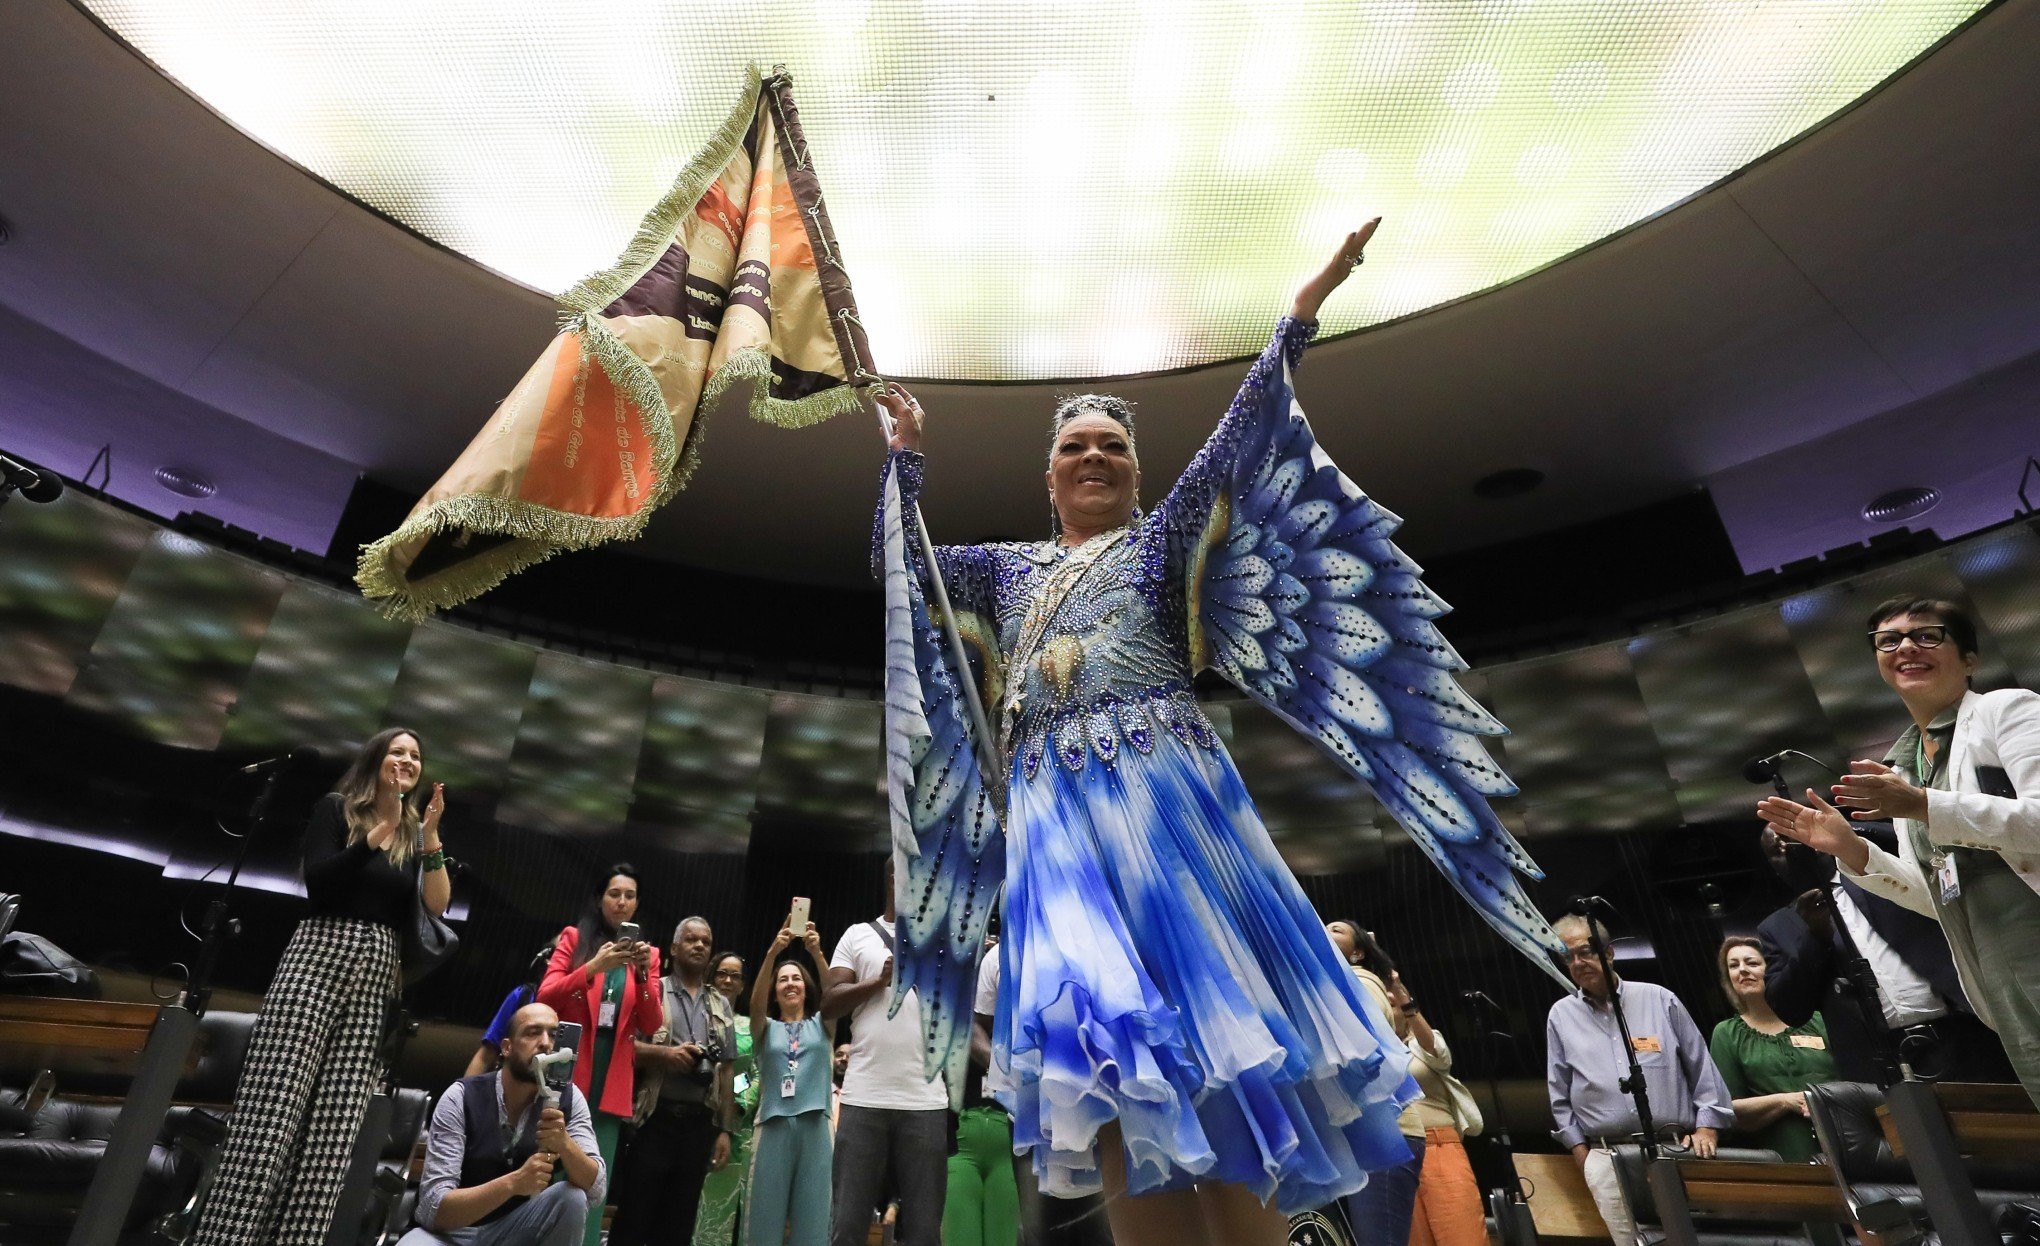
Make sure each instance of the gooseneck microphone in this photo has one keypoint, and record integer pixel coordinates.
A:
(1765, 769)
(1481, 998)
(34, 484)
(286, 761)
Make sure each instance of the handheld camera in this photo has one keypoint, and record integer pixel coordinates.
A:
(556, 1067)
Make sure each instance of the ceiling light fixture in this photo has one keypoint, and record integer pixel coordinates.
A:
(185, 482)
(1127, 186)
(1901, 504)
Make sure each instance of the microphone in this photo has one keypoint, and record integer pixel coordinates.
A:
(1594, 906)
(36, 486)
(287, 761)
(1765, 769)
(1481, 998)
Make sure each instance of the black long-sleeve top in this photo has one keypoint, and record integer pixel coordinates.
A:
(353, 880)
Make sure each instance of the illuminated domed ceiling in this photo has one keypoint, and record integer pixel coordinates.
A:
(1038, 189)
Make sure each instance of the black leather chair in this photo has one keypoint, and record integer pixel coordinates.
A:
(393, 1196)
(1629, 1168)
(1878, 1185)
(47, 1164)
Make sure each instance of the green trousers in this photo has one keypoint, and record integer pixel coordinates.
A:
(792, 1159)
(607, 1128)
(983, 1207)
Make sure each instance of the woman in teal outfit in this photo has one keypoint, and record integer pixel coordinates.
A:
(1767, 1064)
(722, 1195)
(610, 988)
(792, 1152)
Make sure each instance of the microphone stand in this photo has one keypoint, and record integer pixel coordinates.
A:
(1510, 1209)
(1664, 1186)
(119, 1174)
(1633, 1085)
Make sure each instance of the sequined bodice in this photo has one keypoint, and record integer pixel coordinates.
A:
(1110, 665)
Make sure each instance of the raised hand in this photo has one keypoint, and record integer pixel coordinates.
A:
(1872, 791)
(781, 941)
(906, 417)
(812, 938)
(1818, 825)
(433, 809)
(1351, 250)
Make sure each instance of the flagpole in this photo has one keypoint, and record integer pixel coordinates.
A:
(986, 743)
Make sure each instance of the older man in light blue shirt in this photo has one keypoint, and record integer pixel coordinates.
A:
(1586, 1063)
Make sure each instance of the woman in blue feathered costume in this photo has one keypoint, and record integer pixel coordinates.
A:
(1173, 1022)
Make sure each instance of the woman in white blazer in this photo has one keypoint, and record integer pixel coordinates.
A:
(1963, 787)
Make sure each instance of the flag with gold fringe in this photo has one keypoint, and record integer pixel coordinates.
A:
(734, 276)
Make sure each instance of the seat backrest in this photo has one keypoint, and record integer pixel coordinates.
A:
(407, 1121)
(223, 1048)
(1845, 1120)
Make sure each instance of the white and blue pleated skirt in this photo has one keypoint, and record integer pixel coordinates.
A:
(1161, 968)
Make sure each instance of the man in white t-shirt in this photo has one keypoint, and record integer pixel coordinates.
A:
(894, 1121)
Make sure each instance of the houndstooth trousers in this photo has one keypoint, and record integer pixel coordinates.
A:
(311, 1067)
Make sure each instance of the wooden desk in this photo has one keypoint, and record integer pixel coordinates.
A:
(1989, 1121)
(74, 1035)
(1752, 1190)
(1560, 1205)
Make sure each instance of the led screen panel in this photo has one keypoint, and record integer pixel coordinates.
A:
(577, 746)
(1580, 745)
(171, 657)
(324, 675)
(1720, 693)
(2002, 574)
(62, 564)
(824, 761)
(697, 776)
(464, 694)
(1031, 189)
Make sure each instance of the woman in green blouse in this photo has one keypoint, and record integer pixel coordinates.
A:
(1767, 1064)
(722, 1195)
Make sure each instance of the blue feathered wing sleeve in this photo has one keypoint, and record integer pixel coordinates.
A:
(1297, 595)
(948, 846)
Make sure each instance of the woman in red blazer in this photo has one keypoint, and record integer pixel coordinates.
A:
(610, 987)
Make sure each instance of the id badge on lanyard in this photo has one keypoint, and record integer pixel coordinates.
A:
(792, 1062)
(1946, 877)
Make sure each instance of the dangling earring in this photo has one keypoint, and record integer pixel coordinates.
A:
(1054, 522)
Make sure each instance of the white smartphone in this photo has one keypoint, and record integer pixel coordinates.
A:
(797, 919)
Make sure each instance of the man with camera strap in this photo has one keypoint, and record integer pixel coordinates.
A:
(685, 1101)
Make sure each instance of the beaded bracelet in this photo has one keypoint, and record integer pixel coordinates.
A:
(434, 860)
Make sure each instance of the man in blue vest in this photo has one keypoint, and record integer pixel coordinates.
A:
(502, 1169)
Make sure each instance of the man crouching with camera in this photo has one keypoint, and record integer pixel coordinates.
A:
(504, 1166)
(684, 1102)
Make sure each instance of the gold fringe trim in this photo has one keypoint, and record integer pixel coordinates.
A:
(536, 532)
(598, 290)
(539, 532)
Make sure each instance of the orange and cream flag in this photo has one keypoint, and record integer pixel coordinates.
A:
(733, 276)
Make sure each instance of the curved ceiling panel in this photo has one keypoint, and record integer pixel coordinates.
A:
(1033, 190)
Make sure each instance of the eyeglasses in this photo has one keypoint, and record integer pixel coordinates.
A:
(1584, 954)
(729, 973)
(1923, 637)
